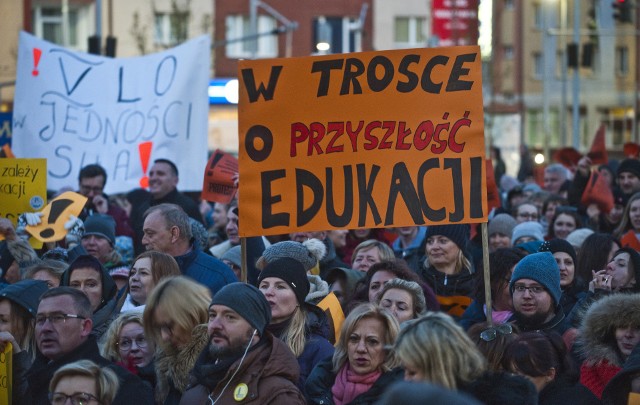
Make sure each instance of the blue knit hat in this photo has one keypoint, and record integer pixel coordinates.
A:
(542, 268)
(458, 233)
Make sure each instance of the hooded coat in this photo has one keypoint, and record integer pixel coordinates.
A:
(174, 365)
(108, 310)
(267, 375)
(618, 389)
(603, 359)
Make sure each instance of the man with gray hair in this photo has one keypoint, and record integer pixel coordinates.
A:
(167, 229)
(554, 177)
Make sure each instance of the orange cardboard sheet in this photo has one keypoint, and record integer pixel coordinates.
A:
(6, 374)
(55, 214)
(218, 178)
(361, 140)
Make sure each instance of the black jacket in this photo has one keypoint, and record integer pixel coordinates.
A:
(558, 323)
(132, 389)
(617, 390)
(563, 392)
(497, 388)
(322, 378)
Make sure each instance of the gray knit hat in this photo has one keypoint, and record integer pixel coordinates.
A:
(530, 228)
(309, 252)
(101, 225)
(247, 301)
(577, 237)
(542, 268)
(233, 255)
(503, 224)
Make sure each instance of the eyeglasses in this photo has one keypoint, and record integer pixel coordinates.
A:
(127, 344)
(490, 334)
(78, 398)
(56, 319)
(534, 289)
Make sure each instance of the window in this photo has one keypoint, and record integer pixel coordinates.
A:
(338, 32)
(538, 66)
(47, 22)
(409, 32)
(508, 4)
(508, 52)
(171, 28)
(239, 27)
(622, 60)
(537, 16)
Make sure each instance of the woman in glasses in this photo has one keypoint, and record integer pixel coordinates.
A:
(175, 319)
(436, 350)
(125, 343)
(83, 382)
(544, 360)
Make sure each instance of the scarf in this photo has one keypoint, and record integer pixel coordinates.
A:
(349, 385)
(499, 316)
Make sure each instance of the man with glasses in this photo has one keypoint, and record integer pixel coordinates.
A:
(63, 327)
(535, 289)
(91, 180)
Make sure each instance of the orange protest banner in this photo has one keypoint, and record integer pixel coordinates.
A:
(362, 140)
(218, 178)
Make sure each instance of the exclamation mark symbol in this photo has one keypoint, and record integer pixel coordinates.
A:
(57, 208)
(37, 53)
(214, 162)
(145, 154)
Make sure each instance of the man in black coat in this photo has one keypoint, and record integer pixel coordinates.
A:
(63, 327)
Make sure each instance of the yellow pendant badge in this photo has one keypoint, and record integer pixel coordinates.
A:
(240, 392)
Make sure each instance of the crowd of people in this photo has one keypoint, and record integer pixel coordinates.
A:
(149, 300)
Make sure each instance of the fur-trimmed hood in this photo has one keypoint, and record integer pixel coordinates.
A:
(597, 332)
(318, 289)
(173, 366)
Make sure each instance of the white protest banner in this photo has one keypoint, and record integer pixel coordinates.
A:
(76, 109)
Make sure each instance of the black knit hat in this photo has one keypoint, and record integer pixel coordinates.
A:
(631, 166)
(247, 301)
(290, 271)
(458, 233)
(559, 245)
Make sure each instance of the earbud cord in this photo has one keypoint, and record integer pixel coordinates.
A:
(235, 372)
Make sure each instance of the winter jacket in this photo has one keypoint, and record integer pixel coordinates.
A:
(617, 390)
(267, 375)
(413, 253)
(558, 323)
(317, 347)
(498, 388)
(573, 294)
(472, 315)
(453, 291)
(322, 378)
(602, 357)
(174, 365)
(205, 269)
(132, 389)
(562, 392)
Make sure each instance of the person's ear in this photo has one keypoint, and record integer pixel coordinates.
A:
(87, 326)
(551, 374)
(175, 234)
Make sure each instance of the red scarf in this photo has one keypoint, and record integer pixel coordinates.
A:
(349, 385)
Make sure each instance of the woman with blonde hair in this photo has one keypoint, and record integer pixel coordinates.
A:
(124, 343)
(302, 326)
(83, 382)
(175, 319)
(435, 349)
(362, 367)
(403, 298)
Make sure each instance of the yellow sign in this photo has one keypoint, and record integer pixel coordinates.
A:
(55, 214)
(362, 140)
(240, 392)
(335, 315)
(6, 374)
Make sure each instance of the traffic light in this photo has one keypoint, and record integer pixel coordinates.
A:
(622, 11)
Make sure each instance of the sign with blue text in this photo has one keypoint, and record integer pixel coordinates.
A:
(75, 109)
